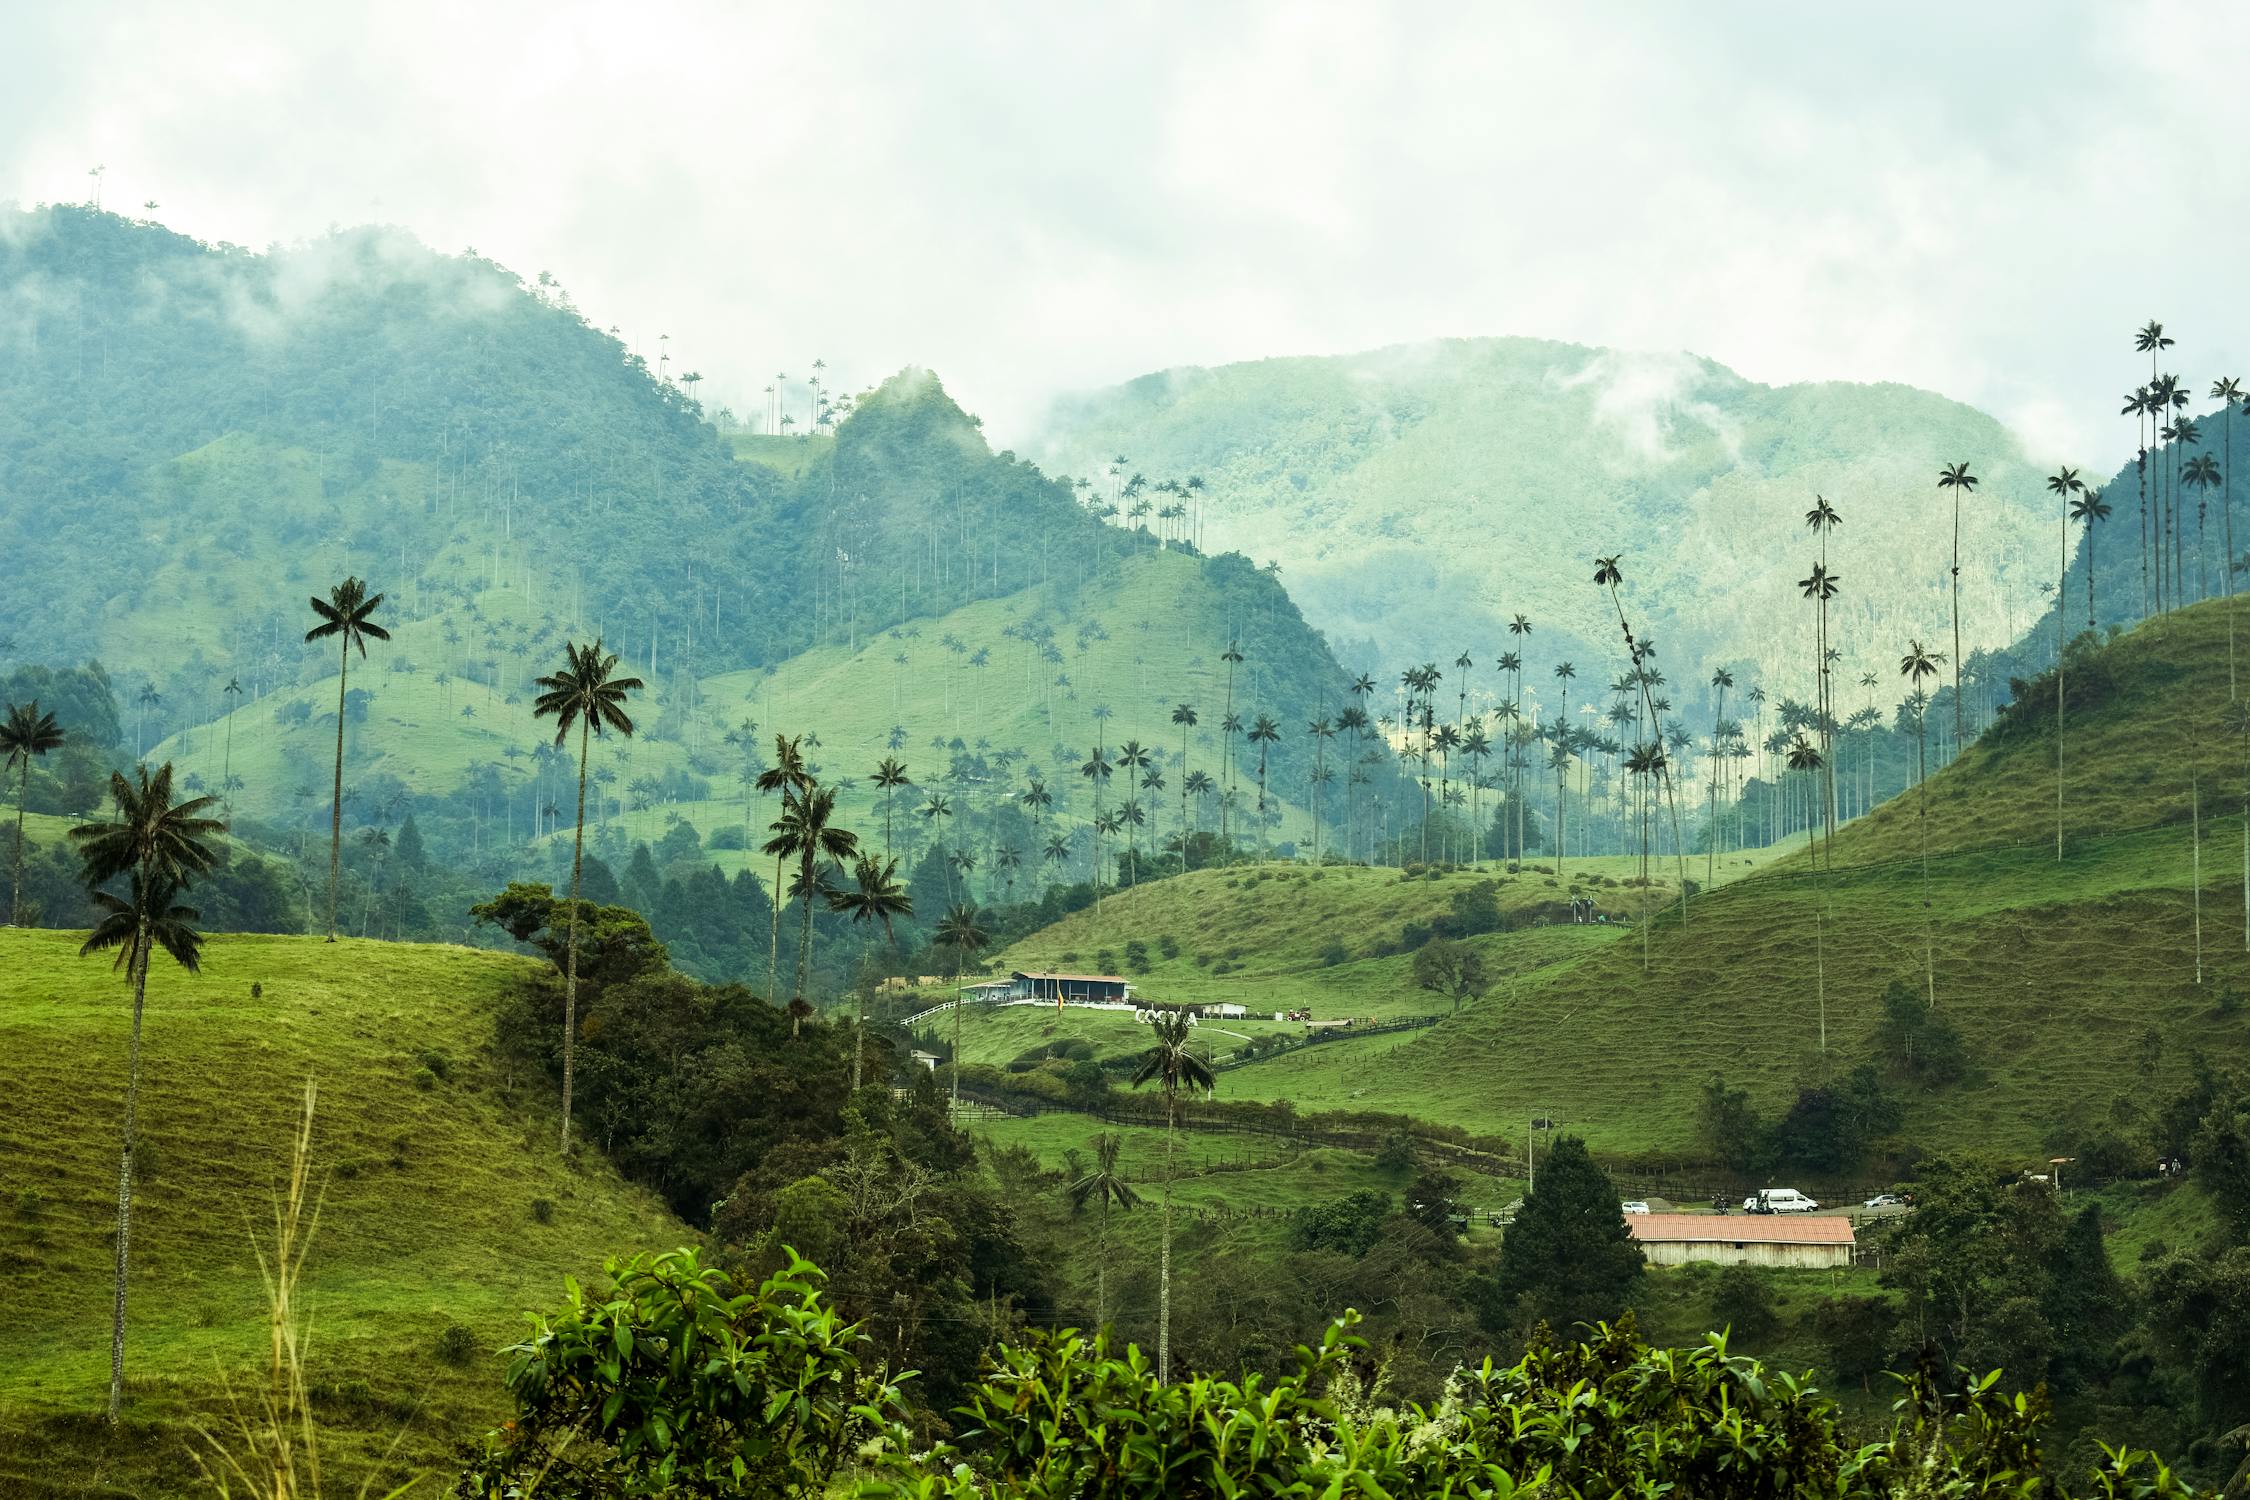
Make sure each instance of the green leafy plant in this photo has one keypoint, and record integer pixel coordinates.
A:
(680, 1384)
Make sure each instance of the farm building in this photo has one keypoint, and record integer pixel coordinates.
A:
(1797, 1242)
(1083, 988)
(990, 992)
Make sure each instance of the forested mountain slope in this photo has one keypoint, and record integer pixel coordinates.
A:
(1419, 496)
(193, 438)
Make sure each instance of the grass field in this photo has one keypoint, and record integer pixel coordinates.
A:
(434, 1163)
(1140, 649)
(2073, 981)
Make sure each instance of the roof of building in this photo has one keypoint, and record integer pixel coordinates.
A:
(1741, 1229)
(1080, 978)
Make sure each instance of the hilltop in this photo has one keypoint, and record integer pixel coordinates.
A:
(443, 1204)
(1418, 496)
(231, 431)
(2072, 983)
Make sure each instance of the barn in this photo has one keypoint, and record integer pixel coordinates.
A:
(1795, 1242)
(1078, 988)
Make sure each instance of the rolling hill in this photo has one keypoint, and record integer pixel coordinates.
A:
(224, 433)
(443, 1202)
(1418, 496)
(2073, 982)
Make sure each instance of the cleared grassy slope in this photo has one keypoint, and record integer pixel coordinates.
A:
(428, 1218)
(2073, 981)
(1151, 643)
(1261, 937)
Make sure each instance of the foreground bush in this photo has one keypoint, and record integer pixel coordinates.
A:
(1061, 1418)
(678, 1385)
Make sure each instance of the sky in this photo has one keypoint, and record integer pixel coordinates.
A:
(1029, 198)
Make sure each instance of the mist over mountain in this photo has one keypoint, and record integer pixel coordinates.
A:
(1419, 496)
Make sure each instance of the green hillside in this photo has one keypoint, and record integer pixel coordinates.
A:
(444, 1203)
(2073, 983)
(1001, 690)
(1418, 496)
(1337, 941)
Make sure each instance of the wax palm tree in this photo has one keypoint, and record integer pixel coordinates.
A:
(1174, 1068)
(785, 775)
(2201, 474)
(874, 895)
(1230, 726)
(1511, 662)
(935, 810)
(1915, 665)
(806, 831)
(25, 734)
(1821, 520)
(1184, 716)
(1105, 1184)
(1721, 680)
(1643, 762)
(233, 693)
(1037, 800)
(1610, 575)
(890, 775)
(1820, 588)
(2086, 509)
(2138, 406)
(1958, 479)
(587, 692)
(962, 930)
(2233, 399)
(1476, 745)
(1263, 733)
(158, 846)
(1058, 847)
(2150, 340)
(347, 614)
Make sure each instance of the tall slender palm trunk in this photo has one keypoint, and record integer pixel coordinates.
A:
(15, 890)
(570, 973)
(2060, 611)
(336, 800)
(1958, 740)
(1164, 1265)
(140, 961)
(2195, 880)
(1922, 784)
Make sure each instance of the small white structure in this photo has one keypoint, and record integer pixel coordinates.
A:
(926, 1059)
(1806, 1242)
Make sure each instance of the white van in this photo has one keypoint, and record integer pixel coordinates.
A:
(1778, 1201)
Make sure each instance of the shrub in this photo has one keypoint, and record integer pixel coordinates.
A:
(437, 1062)
(543, 1210)
(1136, 955)
(424, 1079)
(1168, 945)
(456, 1346)
(1607, 1417)
(685, 1383)
(147, 1161)
(1743, 1302)
(1333, 954)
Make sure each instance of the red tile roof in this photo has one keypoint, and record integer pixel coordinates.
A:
(1742, 1229)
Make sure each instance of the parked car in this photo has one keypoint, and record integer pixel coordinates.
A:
(1885, 1200)
(1778, 1201)
(1636, 1207)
